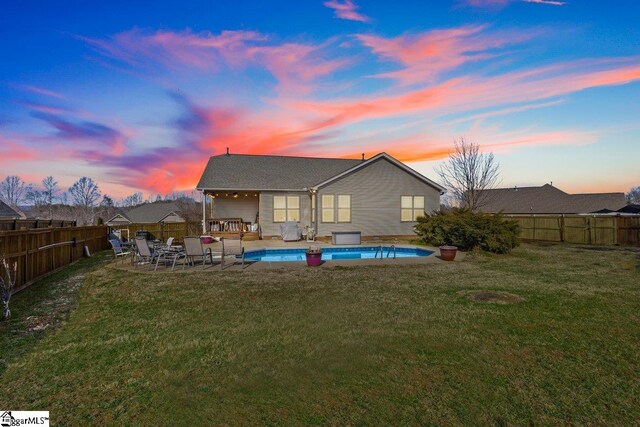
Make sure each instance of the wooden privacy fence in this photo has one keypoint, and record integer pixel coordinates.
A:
(19, 224)
(586, 229)
(162, 231)
(43, 251)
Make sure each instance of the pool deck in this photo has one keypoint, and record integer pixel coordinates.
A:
(279, 244)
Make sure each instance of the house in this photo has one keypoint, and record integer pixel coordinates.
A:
(7, 212)
(547, 199)
(379, 196)
(626, 210)
(148, 213)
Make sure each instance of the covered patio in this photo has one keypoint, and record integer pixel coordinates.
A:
(231, 213)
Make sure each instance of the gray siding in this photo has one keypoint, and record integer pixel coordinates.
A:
(268, 227)
(375, 200)
(242, 207)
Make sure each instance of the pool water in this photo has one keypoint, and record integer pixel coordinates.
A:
(332, 253)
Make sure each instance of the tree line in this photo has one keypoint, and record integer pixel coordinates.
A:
(83, 201)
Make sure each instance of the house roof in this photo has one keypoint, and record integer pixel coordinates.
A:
(7, 212)
(258, 172)
(632, 209)
(149, 213)
(548, 199)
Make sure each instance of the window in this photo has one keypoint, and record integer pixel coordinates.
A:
(313, 208)
(411, 207)
(328, 207)
(344, 208)
(286, 208)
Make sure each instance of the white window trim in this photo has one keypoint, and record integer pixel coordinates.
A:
(336, 209)
(286, 209)
(413, 208)
(322, 208)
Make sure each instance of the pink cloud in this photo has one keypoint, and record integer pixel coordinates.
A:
(428, 55)
(551, 2)
(295, 65)
(39, 90)
(471, 92)
(502, 3)
(346, 9)
(14, 151)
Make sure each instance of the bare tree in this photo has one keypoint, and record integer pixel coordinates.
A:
(7, 283)
(633, 196)
(50, 192)
(35, 198)
(468, 173)
(134, 199)
(85, 193)
(13, 190)
(107, 207)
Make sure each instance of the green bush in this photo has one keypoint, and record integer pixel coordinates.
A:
(468, 230)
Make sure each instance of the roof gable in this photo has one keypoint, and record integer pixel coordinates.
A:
(7, 212)
(149, 213)
(387, 157)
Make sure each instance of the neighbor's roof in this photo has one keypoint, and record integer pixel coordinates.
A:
(7, 212)
(257, 172)
(632, 209)
(150, 213)
(548, 199)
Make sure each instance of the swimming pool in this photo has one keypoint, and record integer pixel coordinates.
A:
(332, 253)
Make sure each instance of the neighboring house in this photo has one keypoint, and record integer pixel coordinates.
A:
(627, 210)
(379, 196)
(7, 212)
(148, 213)
(547, 199)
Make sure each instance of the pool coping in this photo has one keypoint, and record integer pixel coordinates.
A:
(434, 257)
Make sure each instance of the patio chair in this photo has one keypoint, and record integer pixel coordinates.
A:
(193, 249)
(117, 249)
(143, 252)
(169, 253)
(232, 247)
(290, 231)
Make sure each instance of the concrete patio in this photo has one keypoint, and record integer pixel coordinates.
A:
(277, 243)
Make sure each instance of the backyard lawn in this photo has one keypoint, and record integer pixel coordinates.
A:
(396, 345)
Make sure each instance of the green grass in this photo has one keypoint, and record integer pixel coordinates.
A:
(368, 345)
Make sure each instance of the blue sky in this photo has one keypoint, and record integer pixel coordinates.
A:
(139, 94)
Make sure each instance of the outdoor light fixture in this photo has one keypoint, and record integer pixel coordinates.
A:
(235, 195)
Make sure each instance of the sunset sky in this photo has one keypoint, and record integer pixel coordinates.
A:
(139, 94)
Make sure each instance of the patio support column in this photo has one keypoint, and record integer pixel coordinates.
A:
(204, 212)
(314, 208)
